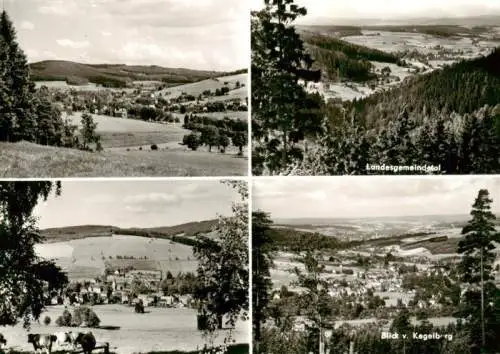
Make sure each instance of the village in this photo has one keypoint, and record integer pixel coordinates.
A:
(149, 101)
(150, 288)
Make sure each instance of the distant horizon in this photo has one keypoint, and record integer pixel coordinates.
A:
(389, 21)
(370, 217)
(391, 10)
(125, 227)
(132, 64)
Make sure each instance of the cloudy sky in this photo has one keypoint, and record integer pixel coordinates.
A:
(359, 197)
(195, 34)
(389, 9)
(136, 203)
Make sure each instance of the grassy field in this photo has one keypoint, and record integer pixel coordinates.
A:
(122, 132)
(161, 330)
(25, 160)
(212, 84)
(88, 257)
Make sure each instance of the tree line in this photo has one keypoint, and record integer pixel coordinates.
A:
(215, 132)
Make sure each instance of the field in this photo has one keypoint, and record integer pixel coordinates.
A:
(86, 258)
(159, 330)
(25, 160)
(212, 84)
(123, 132)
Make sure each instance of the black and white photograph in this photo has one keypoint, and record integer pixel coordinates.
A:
(124, 88)
(385, 264)
(375, 87)
(114, 266)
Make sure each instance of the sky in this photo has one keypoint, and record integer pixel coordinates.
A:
(362, 197)
(145, 203)
(389, 9)
(194, 34)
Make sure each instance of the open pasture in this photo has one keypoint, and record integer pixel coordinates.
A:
(160, 329)
(86, 258)
(197, 88)
(23, 160)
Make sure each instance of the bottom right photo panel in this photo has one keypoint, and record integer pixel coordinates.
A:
(376, 265)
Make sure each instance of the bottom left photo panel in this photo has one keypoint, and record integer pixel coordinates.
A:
(124, 266)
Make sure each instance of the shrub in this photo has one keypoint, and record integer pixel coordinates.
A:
(192, 141)
(46, 320)
(65, 320)
(154, 147)
(85, 315)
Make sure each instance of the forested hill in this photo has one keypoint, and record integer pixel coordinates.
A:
(115, 75)
(339, 59)
(463, 88)
(61, 234)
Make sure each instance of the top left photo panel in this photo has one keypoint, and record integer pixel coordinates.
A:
(124, 88)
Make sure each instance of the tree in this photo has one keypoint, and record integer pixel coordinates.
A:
(17, 106)
(210, 136)
(239, 140)
(262, 261)
(282, 112)
(192, 141)
(22, 275)
(223, 142)
(480, 304)
(88, 132)
(223, 266)
(316, 302)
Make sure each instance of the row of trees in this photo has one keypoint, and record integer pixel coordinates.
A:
(477, 307)
(215, 132)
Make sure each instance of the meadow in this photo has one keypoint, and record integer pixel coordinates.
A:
(87, 257)
(24, 160)
(158, 330)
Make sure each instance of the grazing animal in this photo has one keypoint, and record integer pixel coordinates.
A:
(42, 342)
(87, 341)
(3, 341)
(63, 338)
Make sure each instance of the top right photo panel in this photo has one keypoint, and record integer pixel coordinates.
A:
(375, 87)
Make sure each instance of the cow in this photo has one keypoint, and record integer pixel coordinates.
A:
(87, 341)
(3, 341)
(42, 342)
(63, 338)
(73, 336)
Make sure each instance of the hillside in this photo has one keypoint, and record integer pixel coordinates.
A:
(21, 159)
(61, 234)
(463, 87)
(114, 75)
(338, 59)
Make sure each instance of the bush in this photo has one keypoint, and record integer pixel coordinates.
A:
(66, 320)
(47, 320)
(85, 315)
(192, 141)
(154, 147)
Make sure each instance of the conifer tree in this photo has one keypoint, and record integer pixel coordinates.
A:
(19, 120)
(480, 303)
(262, 261)
(279, 103)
